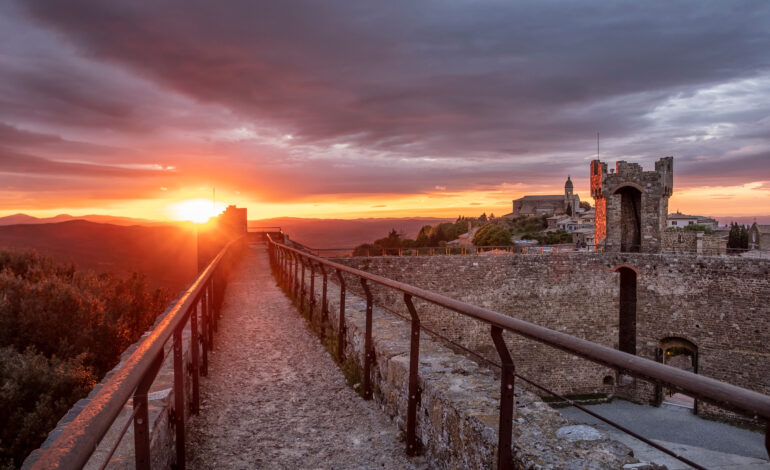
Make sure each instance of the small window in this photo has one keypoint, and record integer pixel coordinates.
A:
(608, 380)
(690, 223)
(673, 222)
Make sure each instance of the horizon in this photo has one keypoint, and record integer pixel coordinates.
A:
(723, 220)
(463, 111)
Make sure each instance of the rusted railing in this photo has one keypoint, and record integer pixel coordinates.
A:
(286, 261)
(199, 303)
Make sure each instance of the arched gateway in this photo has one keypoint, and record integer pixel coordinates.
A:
(682, 354)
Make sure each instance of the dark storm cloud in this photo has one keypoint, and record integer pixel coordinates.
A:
(514, 90)
(13, 162)
(445, 73)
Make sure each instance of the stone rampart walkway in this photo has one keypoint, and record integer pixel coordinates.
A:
(275, 399)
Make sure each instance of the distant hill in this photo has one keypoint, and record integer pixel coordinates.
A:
(343, 233)
(17, 219)
(166, 255)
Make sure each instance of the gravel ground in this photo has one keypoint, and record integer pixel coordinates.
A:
(675, 425)
(274, 398)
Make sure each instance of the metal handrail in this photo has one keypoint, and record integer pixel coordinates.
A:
(80, 438)
(719, 393)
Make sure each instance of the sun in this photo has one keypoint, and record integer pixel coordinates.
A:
(196, 210)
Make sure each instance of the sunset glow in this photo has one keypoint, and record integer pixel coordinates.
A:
(432, 127)
(196, 210)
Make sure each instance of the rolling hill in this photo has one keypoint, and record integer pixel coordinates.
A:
(166, 255)
(20, 218)
(344, 233)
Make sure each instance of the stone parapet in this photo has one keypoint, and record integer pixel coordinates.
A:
(720, 304)
(161, 410)
(458, 413)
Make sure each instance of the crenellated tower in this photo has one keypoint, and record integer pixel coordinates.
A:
(631, 204)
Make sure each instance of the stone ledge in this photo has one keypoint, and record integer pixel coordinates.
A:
(161, 407)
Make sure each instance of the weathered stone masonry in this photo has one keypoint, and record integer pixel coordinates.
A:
(457, 416)
(722, 305)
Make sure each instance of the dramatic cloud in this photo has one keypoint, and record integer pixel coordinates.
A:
(292, 100)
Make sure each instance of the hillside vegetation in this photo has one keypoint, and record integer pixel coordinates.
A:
(166, 255)
(492, 231)
(61, 329)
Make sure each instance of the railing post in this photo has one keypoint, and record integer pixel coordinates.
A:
(414, 379)
(767, 437)
(368, 348)
(341, 328)
(311, 302)
(212, 324)
(179, 398)
(196, 394)
(141, 417)
(324, 306)
(296, 275)
(302, 288)
(504, 438)
(204, 340)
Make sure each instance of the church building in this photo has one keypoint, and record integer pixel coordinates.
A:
(548, 205)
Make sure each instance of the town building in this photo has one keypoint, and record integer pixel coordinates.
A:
(567, 203)
(759, 237)
(680, 220)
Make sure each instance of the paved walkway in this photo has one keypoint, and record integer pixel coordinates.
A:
(712, 444)
(275, 399)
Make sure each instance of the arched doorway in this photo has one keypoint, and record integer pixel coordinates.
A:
(682, 354)
(627, 311)
(630, 218)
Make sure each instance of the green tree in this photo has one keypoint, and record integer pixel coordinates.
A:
(550, 238)
(393, 240)
(738, 238)
(60, 328)
(492, 235)
(36, 392)
(698, 228)
(585, 205)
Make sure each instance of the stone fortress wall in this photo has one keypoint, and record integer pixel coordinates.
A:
(682, 241)
(719, 304)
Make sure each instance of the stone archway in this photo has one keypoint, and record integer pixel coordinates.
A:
(630, 218)
(627, 309)
(683, 354)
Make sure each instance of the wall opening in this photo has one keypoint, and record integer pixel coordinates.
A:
(682, 354)
(627, 316)
(630, 219)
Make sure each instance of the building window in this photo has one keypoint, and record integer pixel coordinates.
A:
(673, 222)
(690, 222)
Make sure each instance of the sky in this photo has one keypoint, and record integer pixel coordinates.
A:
(366, 109)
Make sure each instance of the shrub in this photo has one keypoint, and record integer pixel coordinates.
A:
(59, 329)
(492, 235)
(36, 392)
(550, 238)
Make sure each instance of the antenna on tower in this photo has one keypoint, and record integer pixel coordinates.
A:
(597, 145)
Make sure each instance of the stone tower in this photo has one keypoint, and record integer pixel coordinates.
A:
(631, 204)
(569, 201)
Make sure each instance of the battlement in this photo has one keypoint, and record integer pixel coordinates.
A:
(631, 204)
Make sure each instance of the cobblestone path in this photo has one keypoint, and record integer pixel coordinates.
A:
(274, 398)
